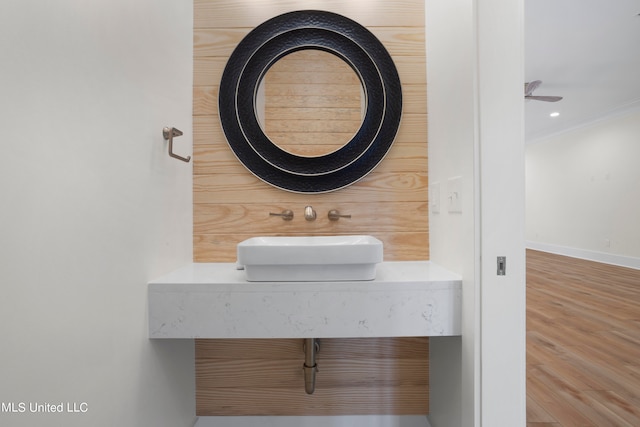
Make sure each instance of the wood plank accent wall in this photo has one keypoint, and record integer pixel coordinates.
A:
(357, 376)
(312, 103)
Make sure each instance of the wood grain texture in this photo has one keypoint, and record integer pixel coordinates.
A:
(254, 219)
(410, 246)
(378, 348)
(250, 13)
(208, 70)
(583, 343)
(267, 376)
(313, 103)
(403, 400)
(256, 377)
(403, 157)
(375, 188)
(413, 128)
(205, 101)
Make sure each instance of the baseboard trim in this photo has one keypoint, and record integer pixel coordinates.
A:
(603, 257)
(328, 421)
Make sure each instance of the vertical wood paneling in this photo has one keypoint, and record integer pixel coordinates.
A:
(370, 376)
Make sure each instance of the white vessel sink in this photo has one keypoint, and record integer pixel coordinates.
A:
(310, 258)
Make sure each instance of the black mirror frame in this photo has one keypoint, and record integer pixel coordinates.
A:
(284, 34)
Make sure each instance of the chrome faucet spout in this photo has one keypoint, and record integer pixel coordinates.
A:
(309, 213)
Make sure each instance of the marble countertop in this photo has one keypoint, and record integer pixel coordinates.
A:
(213, 300)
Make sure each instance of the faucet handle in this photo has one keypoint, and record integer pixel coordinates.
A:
(287, 214)
(334, 215)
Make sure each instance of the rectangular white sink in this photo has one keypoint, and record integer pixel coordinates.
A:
(309, 258)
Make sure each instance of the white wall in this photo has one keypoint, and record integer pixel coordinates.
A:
(454, 361)
(92, 208)
(502, 211)
(583, 192)
(475, 61)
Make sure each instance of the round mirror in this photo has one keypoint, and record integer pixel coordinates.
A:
(310, 103)
(303, 31)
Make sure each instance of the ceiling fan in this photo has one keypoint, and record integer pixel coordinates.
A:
(531, 86)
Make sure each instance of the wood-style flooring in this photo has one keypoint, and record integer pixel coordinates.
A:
(583, 343)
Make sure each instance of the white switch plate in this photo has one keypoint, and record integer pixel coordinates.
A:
(454, 195)
(434, 197)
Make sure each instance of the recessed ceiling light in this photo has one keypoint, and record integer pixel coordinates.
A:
(554, 114)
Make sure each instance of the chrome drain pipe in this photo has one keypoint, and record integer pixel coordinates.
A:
(311, 347)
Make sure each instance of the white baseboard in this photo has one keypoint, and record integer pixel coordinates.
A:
(604, 257)
(328, 421)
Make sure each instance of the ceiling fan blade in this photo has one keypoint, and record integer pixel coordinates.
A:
(531, 86)
(544, 98)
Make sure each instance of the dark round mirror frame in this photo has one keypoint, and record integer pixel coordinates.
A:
(284, 34)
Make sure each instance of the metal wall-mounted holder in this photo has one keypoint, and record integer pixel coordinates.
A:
(168, 134)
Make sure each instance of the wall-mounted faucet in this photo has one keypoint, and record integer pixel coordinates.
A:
(309, 213)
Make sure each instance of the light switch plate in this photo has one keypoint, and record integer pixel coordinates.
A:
(434, 197)
(454, 196)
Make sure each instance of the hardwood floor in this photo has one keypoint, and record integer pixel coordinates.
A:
(583, 343)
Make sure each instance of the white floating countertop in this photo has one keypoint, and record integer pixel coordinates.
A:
(214, 300)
